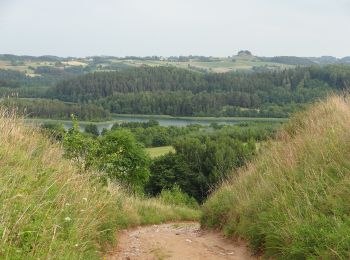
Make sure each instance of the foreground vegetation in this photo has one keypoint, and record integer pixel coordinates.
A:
(52, 209)
(292, 201)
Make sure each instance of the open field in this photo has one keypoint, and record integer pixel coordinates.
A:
(74, 63)
(28, 67)
(159, 151)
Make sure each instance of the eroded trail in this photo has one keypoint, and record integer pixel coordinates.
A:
(177, 241)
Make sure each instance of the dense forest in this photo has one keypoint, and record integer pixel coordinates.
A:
(172, 91)
(49, 76)
(167, 90)
(16, 79)
(55, 109)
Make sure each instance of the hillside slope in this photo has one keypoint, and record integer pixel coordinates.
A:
(292, 202)
(49, 210)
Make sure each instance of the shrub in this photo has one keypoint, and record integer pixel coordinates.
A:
(176, 197)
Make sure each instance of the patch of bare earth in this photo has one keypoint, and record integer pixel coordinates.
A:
(177, 241)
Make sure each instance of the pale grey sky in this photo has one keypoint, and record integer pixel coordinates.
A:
(175, 27)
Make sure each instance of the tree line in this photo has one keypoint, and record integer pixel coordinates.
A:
(55, 109)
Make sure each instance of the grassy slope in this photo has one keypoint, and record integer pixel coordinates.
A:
(292, 202)
(50, 211)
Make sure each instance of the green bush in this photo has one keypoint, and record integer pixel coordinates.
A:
(176, 197)
(92, 129)
(116, 154)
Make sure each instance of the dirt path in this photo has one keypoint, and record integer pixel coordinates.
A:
(179, 241)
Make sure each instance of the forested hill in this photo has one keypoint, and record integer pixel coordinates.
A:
(102, 84)
(169, 90)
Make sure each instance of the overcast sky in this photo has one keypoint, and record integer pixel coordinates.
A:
(175, 27)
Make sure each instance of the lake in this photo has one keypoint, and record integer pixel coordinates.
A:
(163, 121)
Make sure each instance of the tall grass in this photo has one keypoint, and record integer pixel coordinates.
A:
(50, 210)
(293, 200)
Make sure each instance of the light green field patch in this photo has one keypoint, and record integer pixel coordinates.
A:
(155, 152)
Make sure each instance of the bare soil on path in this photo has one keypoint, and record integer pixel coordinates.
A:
(180, 241)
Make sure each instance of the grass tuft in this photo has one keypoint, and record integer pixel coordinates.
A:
(292, 201)
(50, 210)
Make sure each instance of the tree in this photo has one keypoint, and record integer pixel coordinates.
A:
(56, 130)
(79, 147)
(116, 154)
(199, 164)
(123, 159)
(170, 170)
(92, 129)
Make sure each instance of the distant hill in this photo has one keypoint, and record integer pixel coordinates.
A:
(244, 53)
(290, 60)
(346, 59)
(245, 60)
(324, 60)
(12, 57)
(245, 56)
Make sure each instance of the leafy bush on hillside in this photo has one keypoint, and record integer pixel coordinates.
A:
(116, 154)
(175, 196)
